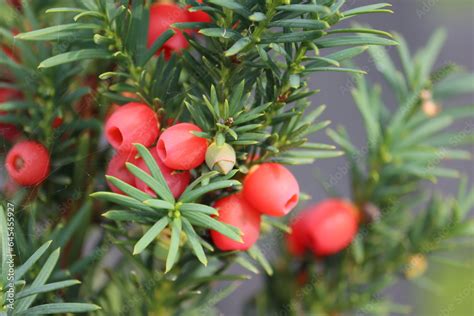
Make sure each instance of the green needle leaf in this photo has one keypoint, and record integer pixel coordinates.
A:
(159, 204)
(194, 241)
(46, 288)
(89, 53)
(176, 228)
(206, 221)
(195, 207)
(59, 308)
(128, 189)
(121, 200)
(156, 173)
(150, 235)
(196, 193)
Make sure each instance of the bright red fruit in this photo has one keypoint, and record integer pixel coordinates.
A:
(177, 180)
(179, 149)
(118, 169)
(271, 189)
(199, 16)
(162, 15)
(325, 228)
(132, 123)
(236, 211)
(28, 163)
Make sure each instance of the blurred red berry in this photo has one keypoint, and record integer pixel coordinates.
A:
(298, 240)
(15, 3)
(87, 105)
(117, 168)
(8, 131)
(162, 15)
(325, 228)
(198, 16)
(132, 123)
(179, 149)
(28, 163)
(236, 211)
(58, 121)
(271, 189)
(7, 94)
(333, 227)
(177, 180)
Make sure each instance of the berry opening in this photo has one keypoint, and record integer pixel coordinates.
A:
(161, 149)
(18, 163)
(115, 136)
(291, 202)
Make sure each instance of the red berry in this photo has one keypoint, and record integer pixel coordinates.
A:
(298, 240)
(118, 169)
(28, 163)
(271, 189)
(132, 123)
(7, 94)
(325, 228)
(162, 15)
(199, 16)
(177, 180)
(179, 149)
(333, 227)
(58, 121)
(236, 211)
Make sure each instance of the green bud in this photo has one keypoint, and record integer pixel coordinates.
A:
(220, 157)
(99, 39)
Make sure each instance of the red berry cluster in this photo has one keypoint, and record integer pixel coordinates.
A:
(269, 189)
(324, 229)
(177, 150)
(162, 16)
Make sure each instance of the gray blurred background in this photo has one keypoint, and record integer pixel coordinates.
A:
(416, 20)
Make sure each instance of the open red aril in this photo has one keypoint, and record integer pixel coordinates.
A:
(180, 149)
(271, 189)
(132, 123)
(28, 163)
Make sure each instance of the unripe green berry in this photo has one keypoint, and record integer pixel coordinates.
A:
(220, 157)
